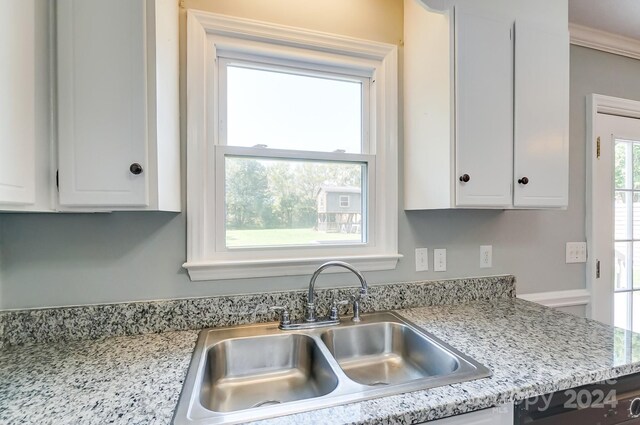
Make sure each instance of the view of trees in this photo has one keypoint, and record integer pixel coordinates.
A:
(272, 194)
(620, 165)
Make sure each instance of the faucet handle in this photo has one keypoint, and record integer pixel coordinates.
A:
(285, 317)
(334, 314)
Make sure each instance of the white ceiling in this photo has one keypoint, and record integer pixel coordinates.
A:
(615, 16)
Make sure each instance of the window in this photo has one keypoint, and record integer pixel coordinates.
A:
(344, 201)
(292, 156)
(302, 123)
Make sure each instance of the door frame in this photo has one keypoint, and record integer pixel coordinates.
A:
(599, 308)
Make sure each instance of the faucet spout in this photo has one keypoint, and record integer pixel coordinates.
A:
(311, 307)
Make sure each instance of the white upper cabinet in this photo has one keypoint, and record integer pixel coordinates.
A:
(17, 103)
(27, 170)
(118, 119)
(484, 91)
(486, 97)
(541, 116)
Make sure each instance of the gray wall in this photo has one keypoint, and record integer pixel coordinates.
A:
(68, 259)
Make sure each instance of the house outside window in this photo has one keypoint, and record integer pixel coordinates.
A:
(335, 212)
(277, 117)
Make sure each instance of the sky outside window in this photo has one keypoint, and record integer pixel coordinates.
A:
(297, 112)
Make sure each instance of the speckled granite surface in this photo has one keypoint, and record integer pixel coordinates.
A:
(137, 379)
(123, 380)
(99, 321)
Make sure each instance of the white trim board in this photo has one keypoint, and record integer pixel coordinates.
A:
(555, 299)
(600, 308)
(604, 41)
(210, 35)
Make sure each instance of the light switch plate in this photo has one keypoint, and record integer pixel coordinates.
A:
(440, 260)
(422, 259)
(576, 252)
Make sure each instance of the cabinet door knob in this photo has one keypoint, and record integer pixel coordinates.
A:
(135, 168)
(523, 180)
(465, 178)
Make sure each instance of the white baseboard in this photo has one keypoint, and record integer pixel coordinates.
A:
(555, 299)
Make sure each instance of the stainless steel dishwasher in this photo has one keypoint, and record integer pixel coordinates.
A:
(611, 402)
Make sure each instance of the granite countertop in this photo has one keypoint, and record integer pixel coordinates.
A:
(137, 379)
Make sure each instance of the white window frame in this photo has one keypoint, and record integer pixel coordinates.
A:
(212, 39)
(348, 199)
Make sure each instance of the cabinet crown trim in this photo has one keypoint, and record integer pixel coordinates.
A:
(604, 41)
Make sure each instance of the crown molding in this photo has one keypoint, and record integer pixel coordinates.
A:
(604, 41)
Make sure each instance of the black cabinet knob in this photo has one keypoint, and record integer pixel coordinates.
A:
(135, 168)
(465, 178)
(523, 180)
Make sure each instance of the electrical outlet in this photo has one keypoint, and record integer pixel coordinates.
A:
(576, 252)
(440, 260)
(486, 255)
(422, 259)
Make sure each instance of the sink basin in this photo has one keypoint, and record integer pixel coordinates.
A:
(253, 372)
(387, 353)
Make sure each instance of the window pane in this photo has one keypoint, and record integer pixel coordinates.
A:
(620, 163)
(622, 214)
(634, 312)
(621, 264)
(636, 215)
(288, 111)
(636, 265)
(636, 165)
(621, 306)
(286, 202)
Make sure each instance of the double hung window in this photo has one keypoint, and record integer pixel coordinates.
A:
(292, 155)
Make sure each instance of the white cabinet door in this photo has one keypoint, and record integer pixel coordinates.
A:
(500, 415)
(541, 144)
(102, 101)
(17, 103)
(484, 110)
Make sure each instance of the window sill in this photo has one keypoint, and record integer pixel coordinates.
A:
(222, 270)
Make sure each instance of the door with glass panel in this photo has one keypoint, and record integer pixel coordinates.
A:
(616, 206)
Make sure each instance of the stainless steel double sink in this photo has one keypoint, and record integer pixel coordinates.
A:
(255, 372)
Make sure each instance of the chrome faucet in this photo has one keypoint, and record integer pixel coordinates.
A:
(364, 288)
(310, 319)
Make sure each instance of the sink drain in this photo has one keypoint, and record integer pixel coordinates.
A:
(266, 403)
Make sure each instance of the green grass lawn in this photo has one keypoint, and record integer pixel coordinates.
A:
(270, 237)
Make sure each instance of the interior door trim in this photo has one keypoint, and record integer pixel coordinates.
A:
(599, 104)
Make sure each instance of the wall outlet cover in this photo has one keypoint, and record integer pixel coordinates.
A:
(486, 256)
(422, 259)
(440, 260)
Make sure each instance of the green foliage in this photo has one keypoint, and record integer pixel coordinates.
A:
(619, 165)
(272, 194)
(622, 152)
(247, 193)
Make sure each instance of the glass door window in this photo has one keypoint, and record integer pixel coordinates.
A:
(626, 262)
